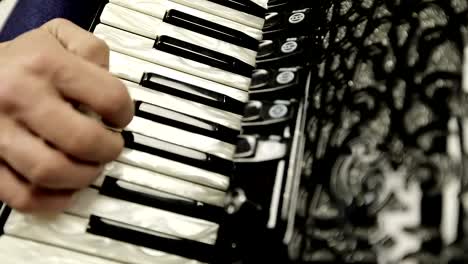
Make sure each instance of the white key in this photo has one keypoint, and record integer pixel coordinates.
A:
(89, 202)
(18, 251)
(175, 169)
(162, 182)
(158, 8)
(151, 27)
(182, 138)
(132, 69)
(69, 232)
(223, 11)
(181, 105)
(176, 116)
(168, 147)
(141, 47)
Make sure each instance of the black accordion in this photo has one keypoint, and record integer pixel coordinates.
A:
(270, 131)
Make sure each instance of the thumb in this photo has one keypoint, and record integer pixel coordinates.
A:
(79, 41)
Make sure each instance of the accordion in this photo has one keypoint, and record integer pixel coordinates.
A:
(269, 131)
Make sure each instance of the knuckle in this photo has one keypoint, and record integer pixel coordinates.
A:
(10, 88)
(47, 170)
(41, 61)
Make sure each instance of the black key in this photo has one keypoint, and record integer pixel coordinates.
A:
(279, 5)
(216, 131)
(161, 200)
(205, 27)
(245, 6)
(200, 54)
(145, 238)
(4, 214)
(174, 152)
(191, 92)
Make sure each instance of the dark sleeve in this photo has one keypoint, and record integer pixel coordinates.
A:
(29, 14)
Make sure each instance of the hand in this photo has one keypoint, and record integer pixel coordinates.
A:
(48, 149)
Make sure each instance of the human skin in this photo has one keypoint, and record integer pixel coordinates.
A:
(48, 148)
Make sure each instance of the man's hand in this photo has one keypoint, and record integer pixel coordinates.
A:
(48, 149)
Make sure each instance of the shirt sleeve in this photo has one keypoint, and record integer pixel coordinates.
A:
(30, 14)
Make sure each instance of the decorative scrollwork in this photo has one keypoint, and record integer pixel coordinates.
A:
(388, 83)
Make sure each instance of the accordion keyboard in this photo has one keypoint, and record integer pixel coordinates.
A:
(212, 95)
(274, 131)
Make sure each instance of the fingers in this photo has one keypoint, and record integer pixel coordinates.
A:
(69, 58)
(47, 146)
(79, 41)
(50, 169)
(32, 102)
(71, 132)
(99, 91)
(24, 197)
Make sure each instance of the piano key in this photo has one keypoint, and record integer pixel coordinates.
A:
(184, 27)
(185, 122)
(162, 182)
(226, 119)
(175, 169)
(178, 83)
(255, 21)
(146, 110)
(171, 54)
(89, 202)
(188, 91)
(70, 232)
(177, 153)
(180, 137)
(203, 55)
(16, 250)
(211, 29)
(280, 5)
(158, 9)
(249, 7)
(143, 195)
(136, 236)
(151, 27)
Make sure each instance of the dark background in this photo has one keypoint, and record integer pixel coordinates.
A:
(29, 14)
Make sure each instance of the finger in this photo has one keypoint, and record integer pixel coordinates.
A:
(97, 89)
(39, 163)
(73, 133)
(79, 41)
(4, 44)
(23, 197)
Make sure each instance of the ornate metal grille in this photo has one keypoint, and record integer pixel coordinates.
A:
(385, 134)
